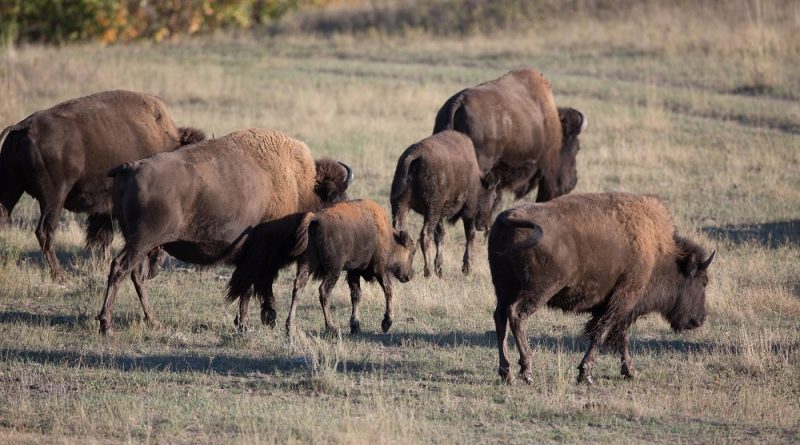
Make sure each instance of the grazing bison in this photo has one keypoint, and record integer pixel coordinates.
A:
(354, 236)
(199, 202)
(61, 155)
(518, 132)
(439, 178)
(615, 255)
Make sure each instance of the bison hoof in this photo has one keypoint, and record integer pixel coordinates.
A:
(426, 273)
(386, 324)
(526, 377)
(439, 272)
(585, 377)
(507, 377)
(355, 327)
(465, 269)
(629, 372)
(152, 323)
(105, 328)
(268, 318)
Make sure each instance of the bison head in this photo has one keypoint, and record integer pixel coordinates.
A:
(689, 311)
(401, 256)
(333, 179)
(487, 197)
(566, 176)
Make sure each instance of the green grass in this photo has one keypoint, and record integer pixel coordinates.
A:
(664, 117)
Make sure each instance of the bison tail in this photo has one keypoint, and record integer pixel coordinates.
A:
(510, 219)
(16, 127)
(190, 135)
(446, 117)
(400, 181)
(124, 168)
(301, 237)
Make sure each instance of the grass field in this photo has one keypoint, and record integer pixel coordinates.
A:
(701, 109)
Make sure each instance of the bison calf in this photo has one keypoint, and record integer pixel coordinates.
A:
(614, 255)
(354, 236)
(439, 178)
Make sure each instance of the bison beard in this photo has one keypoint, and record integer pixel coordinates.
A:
(628, 264)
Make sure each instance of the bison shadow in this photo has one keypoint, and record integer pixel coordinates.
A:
(566, 343)
(190, 363)
(78, 321)
(771, 235)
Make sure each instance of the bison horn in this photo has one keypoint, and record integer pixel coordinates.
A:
(583, 121)
(704, 265)
(350, 174)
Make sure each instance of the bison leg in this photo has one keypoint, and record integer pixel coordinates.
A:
(469, 232)
(425, 244)
(438, 237)
(10, 192)
(299, 283)
(354, 281)
(627, 366)
(386, 285)
(137, 276)
(501, 329)
(244, 307)
(517, 321)
(99, 234)
(120, 268)
(325, 289)
(597, 336)
(268, 313)
(45, 233)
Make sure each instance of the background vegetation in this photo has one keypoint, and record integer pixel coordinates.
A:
(694, 101)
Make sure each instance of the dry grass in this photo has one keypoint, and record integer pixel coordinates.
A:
(675, 108)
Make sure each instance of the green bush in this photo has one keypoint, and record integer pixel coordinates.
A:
(55, 21)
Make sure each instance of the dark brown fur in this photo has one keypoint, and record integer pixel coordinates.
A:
(60, 157)
(199, 203)
(439, 178)
(518, 132)
(356, 237)
(614, 255)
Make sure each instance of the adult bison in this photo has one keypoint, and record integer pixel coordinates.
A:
(199, 203)
(61, 157)
(615, 255)
(518, 132)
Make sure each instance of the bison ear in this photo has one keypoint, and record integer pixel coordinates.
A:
(573, 122)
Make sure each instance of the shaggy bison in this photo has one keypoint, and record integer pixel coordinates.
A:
(439, 178)
(354, 236)
(518, 132)
(199, 202)
(615, 255)
(60, 156)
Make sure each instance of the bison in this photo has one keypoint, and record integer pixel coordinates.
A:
(200, 203)
(60, 156)
(354, 236)
(518, 132)
(616, 256)
(439, 178)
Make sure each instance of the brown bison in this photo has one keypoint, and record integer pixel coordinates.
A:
(615, 255)
(61, 156)
(199, 203)
(354, 236)
(518, 132)
(439, 178)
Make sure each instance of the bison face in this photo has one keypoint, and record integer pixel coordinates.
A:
(487, 196)
(572, 124)
(690, 309)
(333, 179)
(401, 260)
